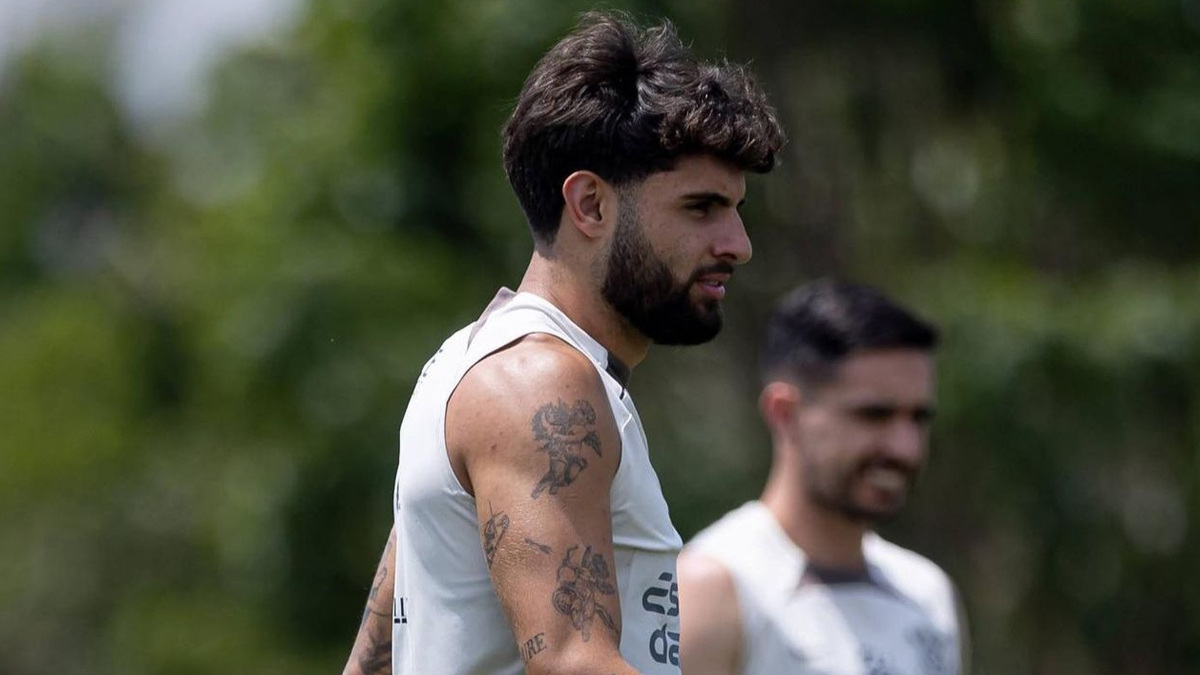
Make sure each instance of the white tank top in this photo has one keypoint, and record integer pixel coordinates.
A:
(899, 619)
(447, 619)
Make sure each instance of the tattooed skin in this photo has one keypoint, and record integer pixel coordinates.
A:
(372, 652)
(377, 658)
(579, 584)
(533, 646)
(541, 547)
(562, 432)
(493, 532)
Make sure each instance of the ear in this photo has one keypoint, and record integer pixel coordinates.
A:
(779, 403)
(589, 204)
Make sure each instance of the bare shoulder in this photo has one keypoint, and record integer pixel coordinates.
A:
(530, 366)
(536, 390)
(709, 617)
(535, 370)
(705, 574)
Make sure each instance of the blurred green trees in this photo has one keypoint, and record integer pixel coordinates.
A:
(208, 330)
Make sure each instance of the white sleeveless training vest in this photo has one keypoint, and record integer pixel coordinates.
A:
(447, 619)
(900, 619)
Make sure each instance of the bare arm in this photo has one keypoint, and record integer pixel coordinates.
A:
(710, 623)
(530, 432)
(372, 651)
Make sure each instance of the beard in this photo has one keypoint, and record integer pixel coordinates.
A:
(640, 286)
(835, 491)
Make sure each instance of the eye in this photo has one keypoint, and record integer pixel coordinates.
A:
(923, 416)
(700, 208)
(874, 413)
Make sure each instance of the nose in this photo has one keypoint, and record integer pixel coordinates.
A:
(734, 243)
(906, 442)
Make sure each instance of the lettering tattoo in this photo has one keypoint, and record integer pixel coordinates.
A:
(579, 587)
(533, 646)
(541, 547)
(493, 532)
(562, 432)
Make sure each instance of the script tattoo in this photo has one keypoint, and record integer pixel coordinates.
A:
(562, 431)
(579, 585)
(493, 532)
(541, 547)
(533, 646)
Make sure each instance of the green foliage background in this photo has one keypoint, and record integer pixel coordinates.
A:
(208, 332)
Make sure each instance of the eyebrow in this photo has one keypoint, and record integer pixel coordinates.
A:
(929, 412)
(711, 197)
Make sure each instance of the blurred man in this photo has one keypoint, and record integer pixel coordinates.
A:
(797, 582)
(530, 530)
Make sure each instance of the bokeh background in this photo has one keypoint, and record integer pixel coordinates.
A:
(232, 231)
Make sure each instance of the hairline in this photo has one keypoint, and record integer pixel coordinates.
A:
(829, 370)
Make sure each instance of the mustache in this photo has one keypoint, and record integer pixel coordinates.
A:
(720, 267)
(909, 470)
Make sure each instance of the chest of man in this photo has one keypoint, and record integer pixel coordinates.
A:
(853, 629)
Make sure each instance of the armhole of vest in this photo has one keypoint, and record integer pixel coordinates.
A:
(449, 465)
(621, 471)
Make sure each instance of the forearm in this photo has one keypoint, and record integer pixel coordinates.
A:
(372, 651)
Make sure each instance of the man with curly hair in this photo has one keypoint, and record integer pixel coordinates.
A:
(531, 534)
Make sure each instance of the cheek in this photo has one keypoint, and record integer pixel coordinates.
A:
(840, 443)
(677, 246)
(821, 441)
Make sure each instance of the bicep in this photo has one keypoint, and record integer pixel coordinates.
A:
(709, 618)
(551, 563)
(541, 463)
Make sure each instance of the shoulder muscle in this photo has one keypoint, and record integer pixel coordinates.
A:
(709, 617)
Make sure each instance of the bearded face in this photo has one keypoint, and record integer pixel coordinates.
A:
(863, 435)
(641, 286)
(837, 486)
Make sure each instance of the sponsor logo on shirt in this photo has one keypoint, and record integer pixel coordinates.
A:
(398, 615)
(663, 598)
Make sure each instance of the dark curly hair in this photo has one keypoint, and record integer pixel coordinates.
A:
(625, 103)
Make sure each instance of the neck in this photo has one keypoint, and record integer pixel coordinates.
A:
(571, 289)
(827, 538)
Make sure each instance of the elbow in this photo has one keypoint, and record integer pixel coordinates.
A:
(574, 662)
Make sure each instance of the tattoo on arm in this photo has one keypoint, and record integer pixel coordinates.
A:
(562, 432)
(493, 531)
(541, 547)
(381, 576)
(533, 646)
(580, 585)
(372, 652)
(376, 659)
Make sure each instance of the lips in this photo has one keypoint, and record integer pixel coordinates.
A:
(712, 287)
(887, 476)
(713, 278)
(886, 479)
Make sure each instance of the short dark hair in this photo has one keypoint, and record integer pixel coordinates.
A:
(625, 103)
(817, 325)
